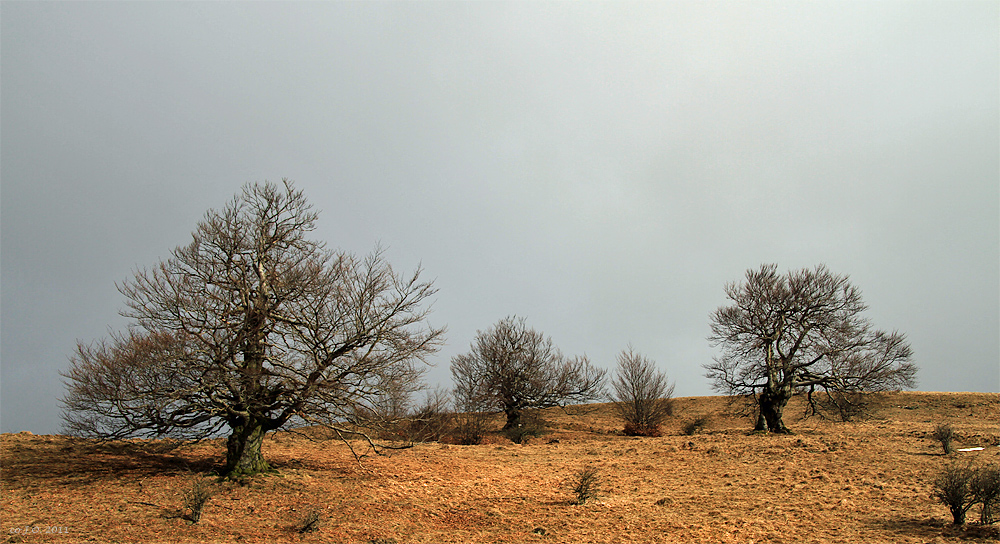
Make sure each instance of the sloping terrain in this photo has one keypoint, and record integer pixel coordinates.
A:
(867, 481)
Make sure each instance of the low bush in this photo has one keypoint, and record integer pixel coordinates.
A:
(648, 430)
(431, 421)
(944, 433)
(845, 405)
(696, 425)
(470, 428)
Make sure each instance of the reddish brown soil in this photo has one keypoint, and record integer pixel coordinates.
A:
(828, 482)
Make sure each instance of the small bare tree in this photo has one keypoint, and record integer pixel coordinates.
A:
(249, 327)
(986, 489)
(513, 368)
(802, 331)
(953, 487)
(642, 396)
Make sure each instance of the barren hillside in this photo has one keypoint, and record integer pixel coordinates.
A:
(866, 481)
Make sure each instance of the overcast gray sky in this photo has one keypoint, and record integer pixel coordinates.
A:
(601, 169)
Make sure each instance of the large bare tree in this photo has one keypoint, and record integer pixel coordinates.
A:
(249, 327)
(513, 368)
(803, 331)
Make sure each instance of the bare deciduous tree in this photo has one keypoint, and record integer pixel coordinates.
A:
(953, 487)
(642, 394)
(249, 327)
(513, 368)
(802, 331)
(985, 487)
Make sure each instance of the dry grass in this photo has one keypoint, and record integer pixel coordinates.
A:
(830, 482)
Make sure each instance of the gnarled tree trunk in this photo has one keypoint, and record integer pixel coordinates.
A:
(770, 405)
(243, 450)
(513, 419)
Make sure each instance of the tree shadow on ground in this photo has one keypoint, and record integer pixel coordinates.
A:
(66, 460)
(930, 528)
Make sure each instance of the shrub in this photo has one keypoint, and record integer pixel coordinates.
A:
(944, 433)
(585, 484)
(641, 394)
(470, 428)
(696, 425)
(430, 421)
(632, 430)
(986, 491)
(195, 499)
(954, 488)
(472, 416)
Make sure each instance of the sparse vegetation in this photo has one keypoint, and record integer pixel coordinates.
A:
(641, 394)
(585, 483)
(945, 434)
(832, 482)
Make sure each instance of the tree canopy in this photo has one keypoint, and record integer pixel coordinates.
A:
(802, 331)
(511, 367)
(248, 327)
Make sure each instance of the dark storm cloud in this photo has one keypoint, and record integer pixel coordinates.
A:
(602, 169)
